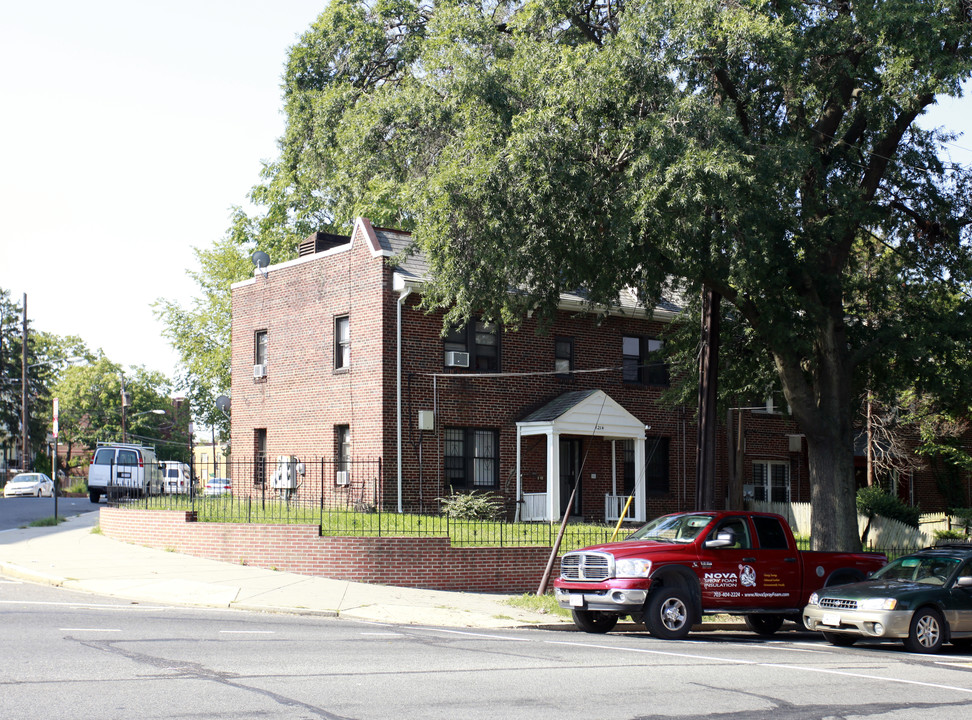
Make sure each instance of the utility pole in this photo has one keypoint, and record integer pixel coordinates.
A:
(708, 384)
(23, 393)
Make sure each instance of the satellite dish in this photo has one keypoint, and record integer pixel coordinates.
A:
(260, 259)
(223, 404)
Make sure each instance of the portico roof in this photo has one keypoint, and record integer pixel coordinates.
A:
(583, 412)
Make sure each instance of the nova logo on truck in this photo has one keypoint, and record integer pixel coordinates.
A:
(720, 579)
(747, 575)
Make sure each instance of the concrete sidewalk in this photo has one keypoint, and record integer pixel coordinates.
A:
(72, 556)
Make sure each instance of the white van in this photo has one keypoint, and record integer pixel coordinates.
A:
(123, 470)
(175, 477)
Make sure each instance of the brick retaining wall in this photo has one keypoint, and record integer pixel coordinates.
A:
(425, 562)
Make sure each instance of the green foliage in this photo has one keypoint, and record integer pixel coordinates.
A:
(91, 407)
(874, 500)
(200, 333)
(545, 604)
(941, 535)
(473, 505)
(49, 521)
(47, 360)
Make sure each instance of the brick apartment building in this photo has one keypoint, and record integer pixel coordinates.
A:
(333, 362)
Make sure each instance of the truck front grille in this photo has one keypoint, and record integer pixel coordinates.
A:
(586, 566)
(838, 604)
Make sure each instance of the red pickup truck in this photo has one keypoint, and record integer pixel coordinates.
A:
(680, 567)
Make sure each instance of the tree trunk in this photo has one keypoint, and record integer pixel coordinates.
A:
(821, 401)
(832, 493)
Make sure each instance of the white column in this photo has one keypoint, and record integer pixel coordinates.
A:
(553, 476)
(519, 478)
(641, 480)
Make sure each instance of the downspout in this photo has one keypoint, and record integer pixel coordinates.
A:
(398, 360)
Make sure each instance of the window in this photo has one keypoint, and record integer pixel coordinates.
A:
(260, 348)
(770, 533)
(771, 481)
(342, 343)
(342, 453)
(471, 458)
(259, 456)
(563, 355)
(736, 527)
(656, 466)
(641, 361)
(479, 339)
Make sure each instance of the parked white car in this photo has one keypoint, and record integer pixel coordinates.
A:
(29, 485)
(219, 486)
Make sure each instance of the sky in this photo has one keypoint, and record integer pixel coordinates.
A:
(128, 131)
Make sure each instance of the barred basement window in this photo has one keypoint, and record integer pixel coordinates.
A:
(471, 458)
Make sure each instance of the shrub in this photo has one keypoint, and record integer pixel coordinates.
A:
(949, 535)
(473, 505)
(873, 501)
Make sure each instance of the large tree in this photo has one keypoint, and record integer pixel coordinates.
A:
(766, 151)
(200, 333)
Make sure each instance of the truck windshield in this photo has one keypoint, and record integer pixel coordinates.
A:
(673, 528)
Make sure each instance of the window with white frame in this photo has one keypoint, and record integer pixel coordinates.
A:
(471, 458)
(342, 454)
(260, 348)
(771, 480)
(342, 342)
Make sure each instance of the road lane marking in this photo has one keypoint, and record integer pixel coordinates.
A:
(248, 632)
(382, 634)
(782, 666)
(85, 606)
(480, 635)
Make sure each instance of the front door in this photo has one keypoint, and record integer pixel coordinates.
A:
(570, 468)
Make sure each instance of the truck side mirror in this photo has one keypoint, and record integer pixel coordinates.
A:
(964, 582)
(724, 538)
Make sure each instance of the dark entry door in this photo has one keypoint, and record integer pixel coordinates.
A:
(570, 466)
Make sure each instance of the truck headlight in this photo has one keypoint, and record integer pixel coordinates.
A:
(879, 604)
(814, 599)
(632, 568)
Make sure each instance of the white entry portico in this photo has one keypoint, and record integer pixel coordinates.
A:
(584, 413)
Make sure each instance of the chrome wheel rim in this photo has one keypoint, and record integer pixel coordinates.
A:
(673, 614)
(927, 631)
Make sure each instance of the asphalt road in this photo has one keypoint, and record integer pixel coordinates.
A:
(20, 511)
(69, 656)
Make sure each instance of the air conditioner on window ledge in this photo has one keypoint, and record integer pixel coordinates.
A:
(259, 371)
(457, 359)
(342, 477)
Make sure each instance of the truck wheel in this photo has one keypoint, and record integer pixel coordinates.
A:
(764, 624)
(668, 613)
(927, 631)
(94, 495)
(593, 621)
(840, 639)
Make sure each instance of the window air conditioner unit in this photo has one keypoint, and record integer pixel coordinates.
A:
(457, 359)
(342, 477)
(259, 371)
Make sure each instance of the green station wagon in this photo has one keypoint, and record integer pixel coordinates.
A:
(924, 599)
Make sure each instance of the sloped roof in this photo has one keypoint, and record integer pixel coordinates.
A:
(583, 412)
(413, 268)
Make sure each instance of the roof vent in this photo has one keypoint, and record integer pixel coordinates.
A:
(319, 242)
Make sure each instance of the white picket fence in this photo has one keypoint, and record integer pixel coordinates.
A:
(884, 533)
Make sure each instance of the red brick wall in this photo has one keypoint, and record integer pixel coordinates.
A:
(405, 562)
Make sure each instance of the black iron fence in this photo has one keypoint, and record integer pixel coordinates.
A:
(348, 498)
